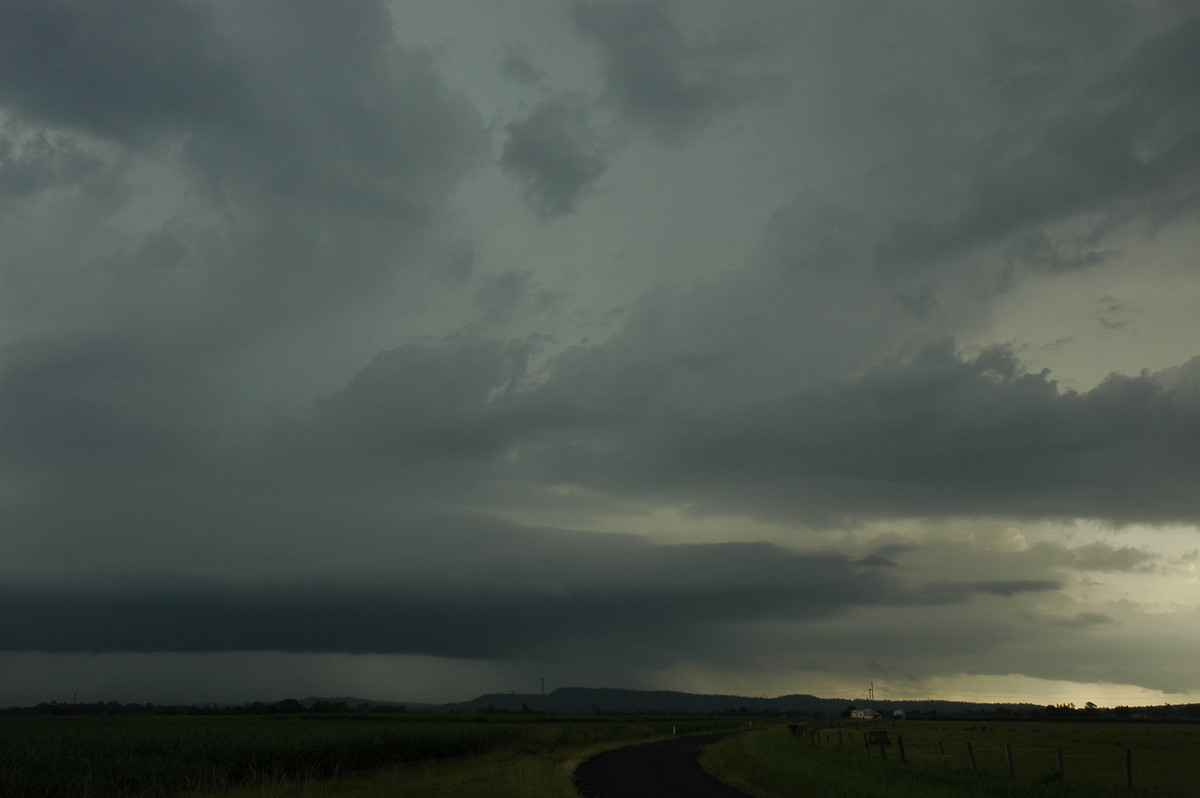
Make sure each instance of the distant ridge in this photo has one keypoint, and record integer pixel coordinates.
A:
(352, 702)
(613, 701)
(608, 700)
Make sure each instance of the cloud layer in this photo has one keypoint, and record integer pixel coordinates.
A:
(655, 343)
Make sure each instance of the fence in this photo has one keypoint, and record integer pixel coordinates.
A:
(1087, 754)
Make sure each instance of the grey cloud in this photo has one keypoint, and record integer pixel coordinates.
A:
(1102, 557)
(935, 436)
(518, 66)
(1097, 556)
(431, 400)
(556, 155)
(1080, 621)
(938, 435)
(31, 165)
(289, 159)
(120, 452)
(256, 618)
(129, 69)
(319, 177)
(252, 89)
(1123, 644)
(628, 592)
(1037, 250)
(1124, 148)
(982, 440)
(1002, 635)
(952, 591)
(313, 150)
(876, 561)
(659, 81)
(683, 349)
(1029, 48)
(390, 134)
(205, 204)
(508, 295)
(460, 261)
(99, 403)
(503, 295)
(578, 601)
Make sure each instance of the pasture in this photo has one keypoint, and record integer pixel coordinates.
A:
(832, 759)
(99, 757)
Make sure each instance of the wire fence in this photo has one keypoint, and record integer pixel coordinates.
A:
(1155, 759)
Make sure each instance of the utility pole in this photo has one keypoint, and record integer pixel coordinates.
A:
(871, 692)
(543, 688)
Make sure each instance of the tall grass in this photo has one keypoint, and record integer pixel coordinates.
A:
(772, 764)
(103, 757)
(55, 757)
(1164, 754)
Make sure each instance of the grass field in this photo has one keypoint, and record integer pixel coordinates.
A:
(774, 764)
(361, 756)
(309, 755)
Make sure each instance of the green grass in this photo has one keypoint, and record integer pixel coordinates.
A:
(99, 756)
(284, 756)
(500, 774)
(772, 764)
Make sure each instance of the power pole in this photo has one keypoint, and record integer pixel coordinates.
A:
(871, 692)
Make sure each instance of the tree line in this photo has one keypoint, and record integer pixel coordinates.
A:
(288, 706)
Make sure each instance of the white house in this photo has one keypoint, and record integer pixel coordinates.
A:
(865, 714)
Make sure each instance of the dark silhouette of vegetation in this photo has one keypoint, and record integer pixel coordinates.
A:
(288, 706)
(673, 704)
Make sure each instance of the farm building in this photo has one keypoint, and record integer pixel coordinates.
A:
(865, 714)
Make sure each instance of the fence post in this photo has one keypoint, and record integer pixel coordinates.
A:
(1058, 756)
(971, 756)
(900, 742)
(1128, 768)
(1009, 761)
(942, 751)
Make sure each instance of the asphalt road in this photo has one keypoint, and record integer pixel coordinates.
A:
(665, 769)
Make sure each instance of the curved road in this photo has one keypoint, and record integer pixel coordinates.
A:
(663, 769)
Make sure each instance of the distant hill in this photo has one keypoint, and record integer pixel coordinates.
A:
(606, 700)
(610, 701)
(352, 702)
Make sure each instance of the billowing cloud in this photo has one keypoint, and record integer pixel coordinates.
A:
(934, 436)
(658, 80)
(228, 107)
(641, 592)
(1124, 149)
(556, 155)
(731, 365)
(37, 163)
(574, 599)
(130, 71)
(518, 66)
